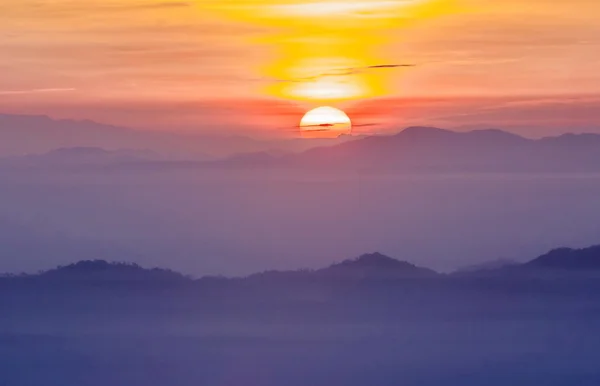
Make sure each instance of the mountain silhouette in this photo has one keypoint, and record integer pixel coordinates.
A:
(586, 259)
(101, 270)
(365, 267)
(433, 135)
(374, 265)
(425, 149)
(37, 134)
(434, 150)
(413, 150)
(368, 266)
(557, 262)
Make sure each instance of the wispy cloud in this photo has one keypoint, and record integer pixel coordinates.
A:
(347, 71)
(35, 91)
(170, 4)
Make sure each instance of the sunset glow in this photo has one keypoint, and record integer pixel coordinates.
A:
(116, 60)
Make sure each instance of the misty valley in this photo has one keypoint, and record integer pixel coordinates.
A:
(122, 268)
(369, 320)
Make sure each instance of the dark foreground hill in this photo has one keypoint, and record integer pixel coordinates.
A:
(375, 266)
(100, 270)
(368, 267)
(560, 262)
(567, 259)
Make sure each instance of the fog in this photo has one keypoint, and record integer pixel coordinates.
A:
(453, 356)
(498, 332)
(237, 222)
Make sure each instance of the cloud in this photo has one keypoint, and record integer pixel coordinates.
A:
(346, 72)
(35, 91)
(109, 7)
(172, 4)
(389, 66)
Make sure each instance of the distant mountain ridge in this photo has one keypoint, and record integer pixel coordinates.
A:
(365, 267)
(434, 150)
(101, 270)
(371, 266)
(412, 150)
(568, 259)
(38, 134)
(375, 265)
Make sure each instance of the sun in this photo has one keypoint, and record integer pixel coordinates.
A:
(325, 122)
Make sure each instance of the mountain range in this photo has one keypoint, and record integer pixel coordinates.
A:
(413, 150)
(37, 134)
(433, 150)
(373, 266)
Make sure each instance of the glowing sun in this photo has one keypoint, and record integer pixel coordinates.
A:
(325, 122)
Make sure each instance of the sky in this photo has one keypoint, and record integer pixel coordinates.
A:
(255, 66)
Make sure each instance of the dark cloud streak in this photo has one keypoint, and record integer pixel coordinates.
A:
(347, 72)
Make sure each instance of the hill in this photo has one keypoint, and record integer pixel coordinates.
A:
(365, 267)
(375, 266)
(103, 271)
(586, 259)
(562, 262)
(413, 150)
(38, 134)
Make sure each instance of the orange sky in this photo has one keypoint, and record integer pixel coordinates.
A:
(228, 65)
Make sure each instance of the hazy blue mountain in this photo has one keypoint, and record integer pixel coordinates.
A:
(420, 149)
(98, 271)
(428, 149)
(587, 140)
(318, 331)
(586, 259)
(101, 270)
(374, 266)
(26, 134)
(413, 150)
(30, 134)
(368, 266)
(562, 262)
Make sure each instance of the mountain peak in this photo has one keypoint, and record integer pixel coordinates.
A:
(569, 259)
(500, 136)
(101, 270)
(495, 136)
(573, 139)
(376, 265)
(375, 259)
(424, 132)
